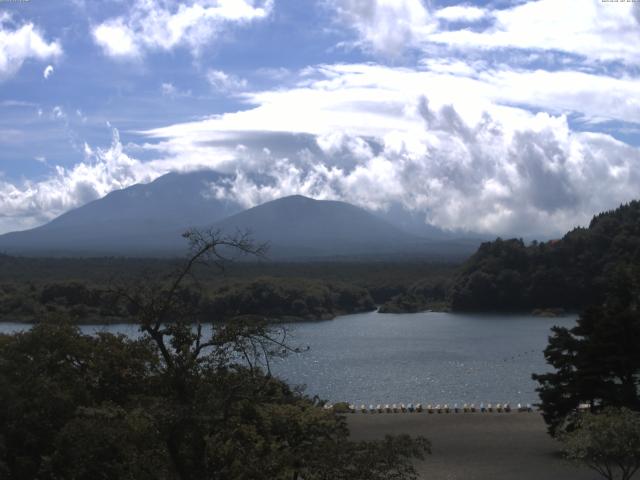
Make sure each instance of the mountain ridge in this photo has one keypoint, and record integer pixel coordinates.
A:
(148, 219)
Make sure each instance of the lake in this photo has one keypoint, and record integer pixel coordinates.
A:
(424, 357)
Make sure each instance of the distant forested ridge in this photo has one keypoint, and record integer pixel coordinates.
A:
(267, 297)
(284, 299)
(568, 273)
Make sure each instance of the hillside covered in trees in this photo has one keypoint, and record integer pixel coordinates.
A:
(568, 273)
(267, 297)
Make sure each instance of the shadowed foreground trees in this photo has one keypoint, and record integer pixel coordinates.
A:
(597, 362)
(607, 442)
(183, 401)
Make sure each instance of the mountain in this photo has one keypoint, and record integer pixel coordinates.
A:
(143, 219)
(148, 220)
(298, 226)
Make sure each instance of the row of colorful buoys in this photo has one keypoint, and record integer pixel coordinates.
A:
(445, 408)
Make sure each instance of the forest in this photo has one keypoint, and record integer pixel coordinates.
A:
(32, 289)
(570, 273)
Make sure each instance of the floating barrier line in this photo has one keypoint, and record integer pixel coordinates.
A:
(437, 409)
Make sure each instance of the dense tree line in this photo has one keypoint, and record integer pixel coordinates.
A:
(289, 298)
(272, 298)
(571, 273)
(79, 289)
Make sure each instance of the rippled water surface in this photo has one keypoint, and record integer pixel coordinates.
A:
(423, 357)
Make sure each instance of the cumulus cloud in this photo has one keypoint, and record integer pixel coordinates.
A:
(47, 71)
(385, 27)
(30, 203)
(152, 25)
(21, 43)
(116, 39)
(540, 181)
(379, 136)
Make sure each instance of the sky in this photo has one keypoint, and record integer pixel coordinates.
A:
(503, 117)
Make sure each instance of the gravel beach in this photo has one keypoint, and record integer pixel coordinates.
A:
(477, 446)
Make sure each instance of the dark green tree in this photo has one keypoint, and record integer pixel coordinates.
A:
(597, 362)
(607, 442)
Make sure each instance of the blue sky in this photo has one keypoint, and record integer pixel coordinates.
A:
(503, 117)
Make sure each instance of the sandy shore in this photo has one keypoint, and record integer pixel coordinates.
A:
(496, 446)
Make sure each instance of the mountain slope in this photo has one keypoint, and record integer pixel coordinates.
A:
(298, 226)
(141, 219)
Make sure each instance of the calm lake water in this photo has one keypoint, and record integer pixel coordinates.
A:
(423, 357)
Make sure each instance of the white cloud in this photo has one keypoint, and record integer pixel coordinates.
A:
(594, 29)
(31, 203)
(372, 99)
(464, 158)
(225, 82)
(19, 44)
(164, 25)
(386, 27)
(461, 13)
(116, 39)
(47, 71)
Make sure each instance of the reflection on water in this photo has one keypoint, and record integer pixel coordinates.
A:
(423, 357)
